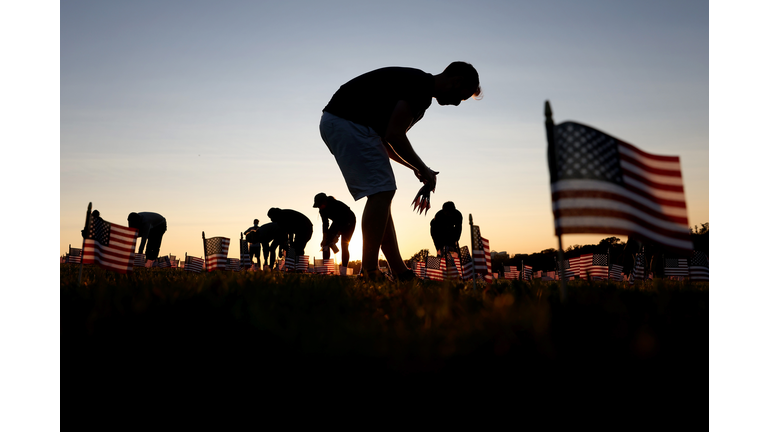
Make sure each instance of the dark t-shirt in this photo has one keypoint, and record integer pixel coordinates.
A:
(266, 233)
(292, 221)
(447, 225)
(336, 211)
(370, 98)
(149, 221)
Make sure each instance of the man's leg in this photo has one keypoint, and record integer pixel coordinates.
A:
(375, 218)
(391, 250)
(346, 237)
(272, 253)
(257, 253)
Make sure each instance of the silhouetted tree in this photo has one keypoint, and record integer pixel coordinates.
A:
(420, 256)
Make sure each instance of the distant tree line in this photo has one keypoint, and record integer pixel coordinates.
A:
(545, 260)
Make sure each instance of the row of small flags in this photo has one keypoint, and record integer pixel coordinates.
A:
(112, 246)
(587, 266)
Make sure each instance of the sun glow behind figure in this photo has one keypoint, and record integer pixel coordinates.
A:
(169, 123)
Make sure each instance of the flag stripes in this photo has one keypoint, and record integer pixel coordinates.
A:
(110, 246)
(216, 250)
(600, 184)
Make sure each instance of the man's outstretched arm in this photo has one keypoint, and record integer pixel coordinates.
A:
(400, 149)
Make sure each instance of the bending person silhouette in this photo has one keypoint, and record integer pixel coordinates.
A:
(261, 238)
(151, 228)
(343, 225)
(364, 126)
(445, 228)
(298, 227)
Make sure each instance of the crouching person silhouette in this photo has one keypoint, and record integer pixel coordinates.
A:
(151, 228)
(343, 225)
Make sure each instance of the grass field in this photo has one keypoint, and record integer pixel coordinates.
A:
(278, 329)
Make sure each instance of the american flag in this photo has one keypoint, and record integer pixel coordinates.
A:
(330, 264)
(615, 272)
(110, 245)
(676, 267)
(571, 267)
(481, 251)
(511, 272)
(289, 263)
(527, 272)
(419, 269)
(193, 264)
(162, 262)
(173, 260)
(699, 266)
(233, 264)
(600, 184)
(216, 250)
(538, 274)
(325, 266)
(139, 259)
(74, 255)
(550, 275)
(467, 263)
(245, 257)
(303, 263)
(348, 271)
(435, 268)
(593, 266)
(638, 272)
(451, 265)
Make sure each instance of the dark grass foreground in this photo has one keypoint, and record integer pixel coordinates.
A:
(167, 330)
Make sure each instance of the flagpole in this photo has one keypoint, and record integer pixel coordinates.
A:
(562, 268)
(205, 254)
(472, 245)
(85, 233)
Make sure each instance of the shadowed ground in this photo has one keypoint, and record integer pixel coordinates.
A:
(172, 331)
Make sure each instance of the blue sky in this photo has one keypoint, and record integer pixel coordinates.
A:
(208, 112)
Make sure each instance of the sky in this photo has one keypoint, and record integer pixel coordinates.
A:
(109, 105)
(208, 112)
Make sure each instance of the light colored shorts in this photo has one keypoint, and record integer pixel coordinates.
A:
(360, 154)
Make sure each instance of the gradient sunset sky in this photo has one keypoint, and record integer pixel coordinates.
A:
(208, 112)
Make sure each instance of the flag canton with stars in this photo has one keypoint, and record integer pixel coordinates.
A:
(433, 262)
(672, 263)
(699, 259)
(585, 153)
(477, 241)
(566, 264)
(466, 257)
(213, 246)
(99, 231)
(600, 260)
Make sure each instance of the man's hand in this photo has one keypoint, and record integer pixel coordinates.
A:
(429, 178)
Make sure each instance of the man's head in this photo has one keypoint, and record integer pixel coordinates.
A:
(458, 82)
(255, 222)
(448, 206)
(273, 212)
(134, 220)
(320, 200)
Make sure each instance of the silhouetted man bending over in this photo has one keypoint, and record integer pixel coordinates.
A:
(298, 227)
(364, 126)
(261, 238)
(151, 228)
(445, 228)
(343, 225)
